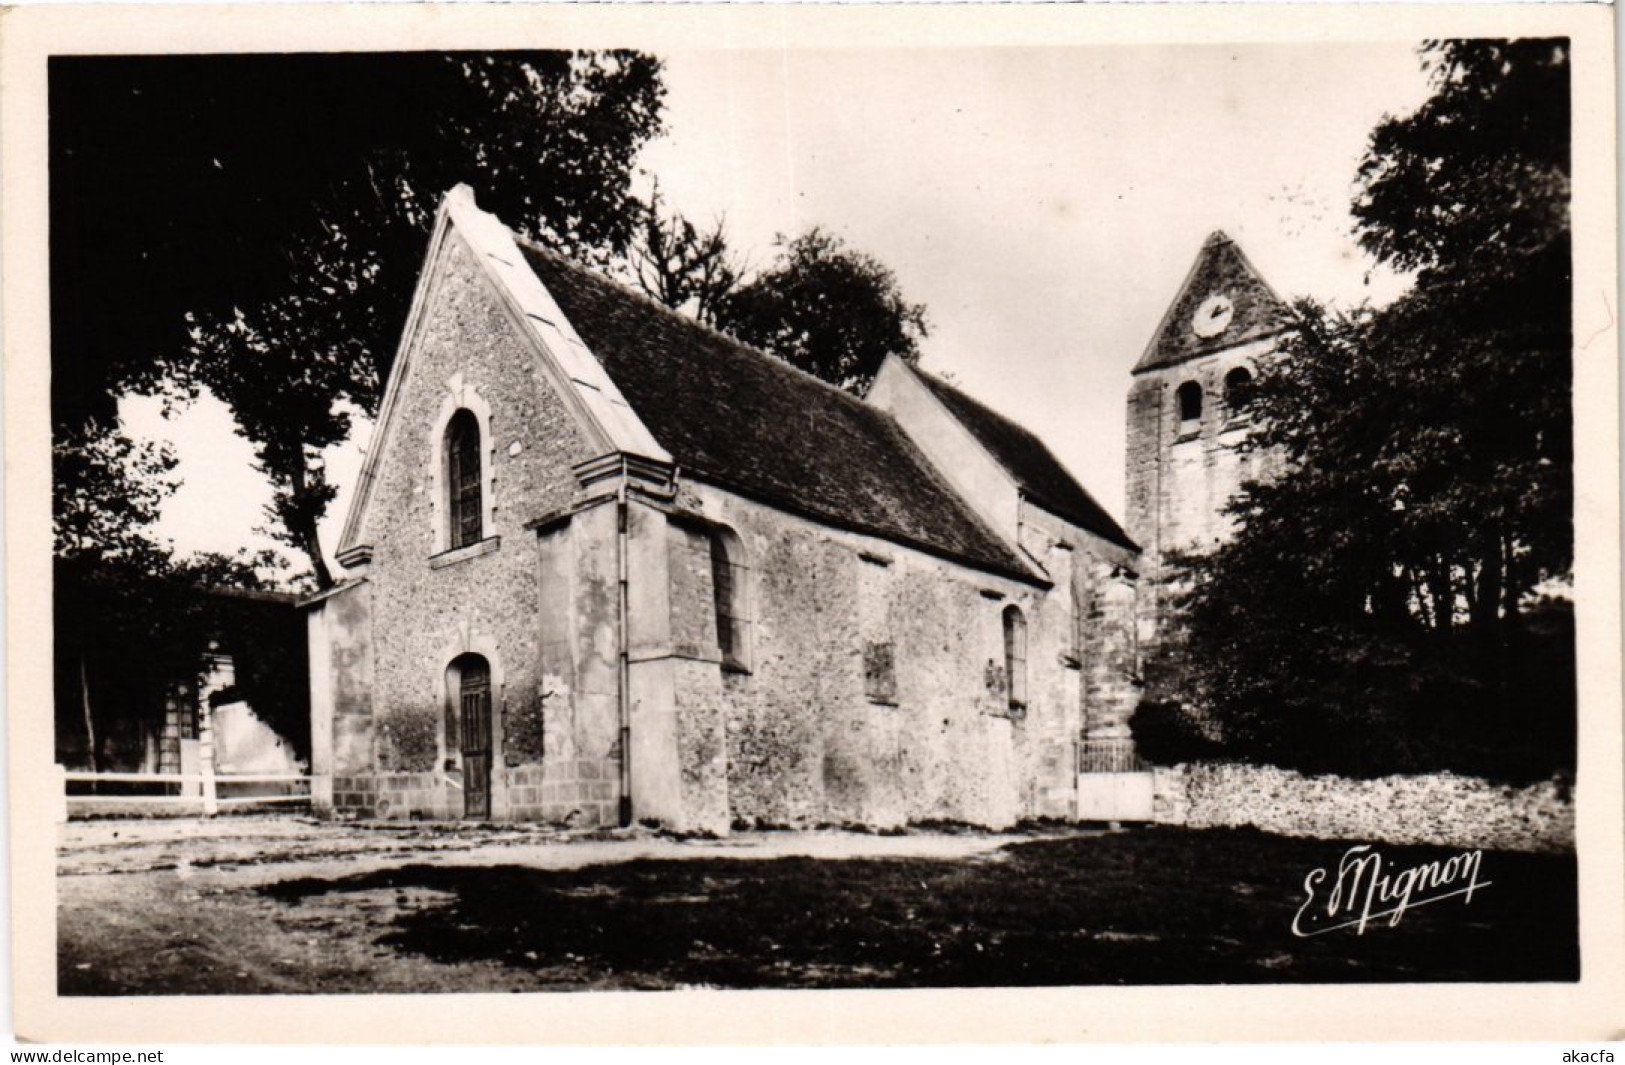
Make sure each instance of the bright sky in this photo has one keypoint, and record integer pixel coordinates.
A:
(1044, 204)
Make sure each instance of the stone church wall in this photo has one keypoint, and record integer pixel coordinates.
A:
(877, 693)
(427, 608)
(875, 690)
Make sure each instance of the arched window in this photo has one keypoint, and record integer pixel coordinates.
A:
(1238, 387)
(728, 588)
(1015, 656)
(463, 502)
(1190, 402)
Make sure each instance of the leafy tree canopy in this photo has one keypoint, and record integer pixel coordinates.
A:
(822, 306)
(828, 309)
(132, 620)
(328, 217)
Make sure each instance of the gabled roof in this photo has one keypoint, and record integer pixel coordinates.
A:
(600, 410)
(751, 423)
(1221, 268)
(1037, 472)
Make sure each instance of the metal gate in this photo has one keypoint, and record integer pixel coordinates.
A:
(1114, 783)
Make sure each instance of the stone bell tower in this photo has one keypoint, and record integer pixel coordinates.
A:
(1187, 413)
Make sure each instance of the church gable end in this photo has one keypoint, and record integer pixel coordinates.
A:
(482, 325)
(474, 439)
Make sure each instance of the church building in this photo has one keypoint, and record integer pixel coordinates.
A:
(605, 565)
(1188, 416)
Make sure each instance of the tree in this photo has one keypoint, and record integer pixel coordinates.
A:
(108, 491)
(1379, 607)
(273, 259)
(680, 265)
(1472, 192)
(131, 620)
(828, 309)
(822, 306)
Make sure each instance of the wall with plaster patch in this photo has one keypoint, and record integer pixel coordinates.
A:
(812, 738)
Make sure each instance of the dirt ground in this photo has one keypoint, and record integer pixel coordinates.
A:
(292, 905)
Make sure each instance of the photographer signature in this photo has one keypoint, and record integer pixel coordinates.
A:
(1368, 888)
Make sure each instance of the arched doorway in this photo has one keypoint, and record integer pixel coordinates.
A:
(468, 729)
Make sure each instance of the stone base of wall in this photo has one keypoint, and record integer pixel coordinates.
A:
(1436, 808)
(579, 793)
(394, 796)
(582, 793)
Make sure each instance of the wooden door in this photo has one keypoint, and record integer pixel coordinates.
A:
(476, 729)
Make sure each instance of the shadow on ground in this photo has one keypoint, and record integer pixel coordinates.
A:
(1157, 906)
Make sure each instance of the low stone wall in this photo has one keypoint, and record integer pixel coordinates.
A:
(1439, 808)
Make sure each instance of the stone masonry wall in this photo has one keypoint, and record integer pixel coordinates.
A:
(813, 736)
(1439, 808)
(428, 608)
(1101, 581)
(1180, 474)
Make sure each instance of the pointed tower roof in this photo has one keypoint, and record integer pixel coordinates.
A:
(1223, 302)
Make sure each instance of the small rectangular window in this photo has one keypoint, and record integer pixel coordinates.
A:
(880, 673)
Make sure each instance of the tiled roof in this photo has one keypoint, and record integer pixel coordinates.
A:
(754, 424)
(1024, 456)
(1221, 269)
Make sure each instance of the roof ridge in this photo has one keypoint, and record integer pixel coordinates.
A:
(690, 322)
(967, 397)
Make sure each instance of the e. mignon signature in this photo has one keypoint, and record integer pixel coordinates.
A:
(1367, 888)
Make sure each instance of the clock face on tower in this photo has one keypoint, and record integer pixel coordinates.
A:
(1213, 315)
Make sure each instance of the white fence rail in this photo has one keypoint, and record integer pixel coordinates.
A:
(195, 789)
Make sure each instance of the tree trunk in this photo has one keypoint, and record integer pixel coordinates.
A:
(1444, 595)
(1487, 597)
(301, 521)
(312, 546)
(1512, 588)
(90, 724)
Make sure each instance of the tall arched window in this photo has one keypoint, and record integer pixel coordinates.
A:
(463, 502)
(1238, 386)
(728, 589)
(1015, 656)
(1189, 396)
